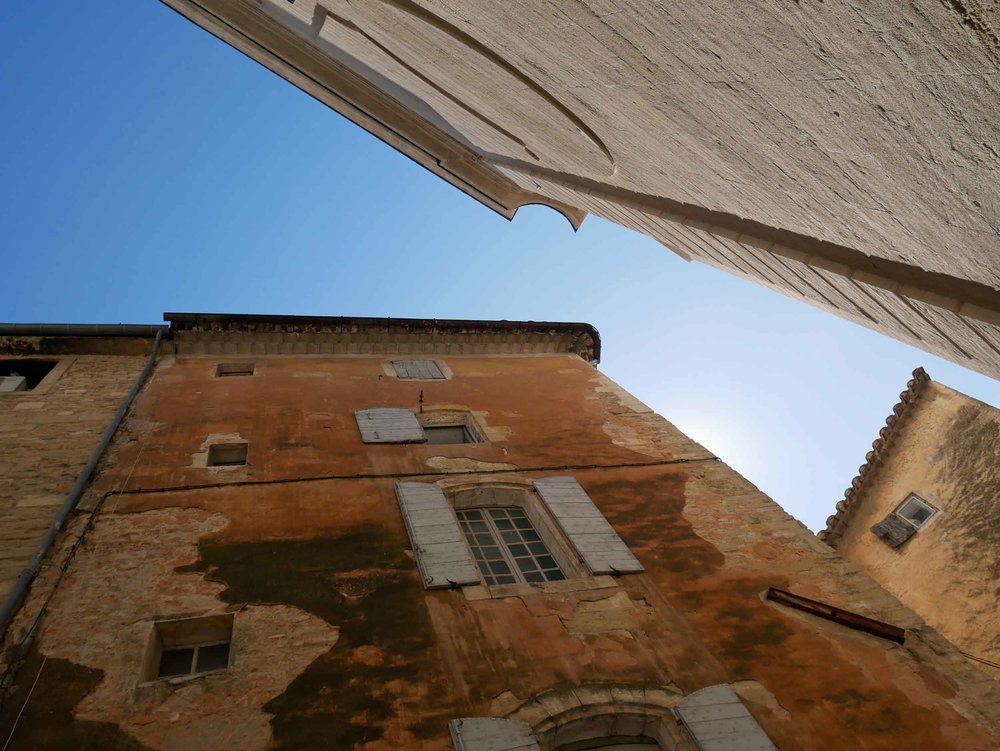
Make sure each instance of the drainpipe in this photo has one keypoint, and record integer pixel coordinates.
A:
(16, 596)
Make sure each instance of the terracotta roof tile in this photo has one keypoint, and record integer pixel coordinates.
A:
(880, 447)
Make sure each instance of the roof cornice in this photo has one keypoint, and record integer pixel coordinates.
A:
(873, 459)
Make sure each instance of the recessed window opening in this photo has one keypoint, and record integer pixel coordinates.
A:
(448, 434)
(225, 369)
(227, 454)
(423, 370)
(31, 371)
(614, 743)
(506, 546)
(916, 512)
(189, 646)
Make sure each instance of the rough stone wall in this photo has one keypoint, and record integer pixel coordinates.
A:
(336, 644)
(948, 453)
(845, 154)
(47, 438)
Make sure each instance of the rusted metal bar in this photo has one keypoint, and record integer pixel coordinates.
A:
(838, 615)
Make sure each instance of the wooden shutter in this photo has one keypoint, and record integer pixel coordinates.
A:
(719, 721)
(894, 531)
(491, 734)
(419, 369)
(595, 540)
(389, 425)
(437, 541)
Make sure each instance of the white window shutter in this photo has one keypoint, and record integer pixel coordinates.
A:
(719, 721)
(491, 734)
(438, 544)
(595, 540)
(389, 425)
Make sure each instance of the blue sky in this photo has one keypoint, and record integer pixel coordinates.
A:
(149, 167)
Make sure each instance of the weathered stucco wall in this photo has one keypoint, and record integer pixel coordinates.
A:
(947, 451)
(47, 434)
(845, 154)
(336, 644)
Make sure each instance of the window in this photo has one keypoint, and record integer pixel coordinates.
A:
(450, 426)
(227, 454)
(400, 425)
(915, 511)
(421, 370)
(23, 375)
(189, 646)
(903, 523)
(509, 533)
(225, 369)
(506, 546)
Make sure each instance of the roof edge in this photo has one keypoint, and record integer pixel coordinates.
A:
(237, 321)
(880, 447)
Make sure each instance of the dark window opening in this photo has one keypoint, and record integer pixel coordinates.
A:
(33, 371)
(190, 646)
(227, 454)
(225, 369)
(446, 434)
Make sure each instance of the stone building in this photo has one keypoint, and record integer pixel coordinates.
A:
(59, 389)
(845, 154)
(332, 533)
(921, 516)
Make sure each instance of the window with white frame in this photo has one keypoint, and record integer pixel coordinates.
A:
(916, 511)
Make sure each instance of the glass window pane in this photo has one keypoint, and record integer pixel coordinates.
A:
(546, 561)
(175, 662)
(485, 539)
(510, 536)
(538, 548)
(499, 567)
(518, 550)
(215, 657)
(522, 522)
(530, 535)
(554, 576)
(478, 526)
(504, 523)
(492, 553)
(472, 514)
(526, 564)
(506, 580)
(533, 577)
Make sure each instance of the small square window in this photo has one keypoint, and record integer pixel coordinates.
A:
(916, 512)
(189, 646)
(426, 370)
(448, 434)
(224, 369)
(227, 454)
(23, 375)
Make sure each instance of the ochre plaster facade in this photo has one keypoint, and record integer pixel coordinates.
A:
(945, 448)
(843, 153)
(336, 645)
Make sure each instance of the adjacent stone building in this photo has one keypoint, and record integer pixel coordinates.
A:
(923, 515)
(59, 389)
(330, 533)
(843, 153)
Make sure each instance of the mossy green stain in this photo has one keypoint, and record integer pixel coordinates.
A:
(47, 721)
(364, 584)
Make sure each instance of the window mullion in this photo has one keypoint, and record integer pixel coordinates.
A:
(502, 545)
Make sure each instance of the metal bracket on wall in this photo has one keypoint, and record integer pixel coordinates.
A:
(837, 615)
